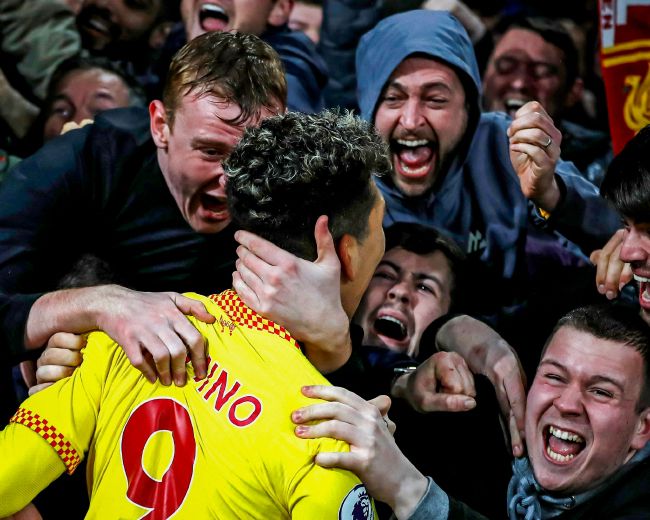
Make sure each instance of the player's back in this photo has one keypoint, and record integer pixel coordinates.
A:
(223, 447)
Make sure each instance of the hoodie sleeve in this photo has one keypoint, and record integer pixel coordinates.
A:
(582, 215)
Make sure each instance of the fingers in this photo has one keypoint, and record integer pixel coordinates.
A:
(382, 402)
(63, 349)
(532, 116)
(261, 248)
(453, 375)
(344, 460)
(612, 274)
(143, 360)
(52, 373)
(191, 307)
(326, 251)
(67, 340)
(442, 402)
(37, 388)
(516, 437)
(193, 344)
(516, 396)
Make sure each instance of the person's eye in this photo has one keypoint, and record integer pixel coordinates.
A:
(602, 393)
(384, 275)
(427, 289)
(553, 378)
(437, 100)
(211, 153)
(62, 111)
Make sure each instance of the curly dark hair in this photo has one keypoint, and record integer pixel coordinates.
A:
(295, 167)
(238, 67)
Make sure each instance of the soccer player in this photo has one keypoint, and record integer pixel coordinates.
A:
(222, 446)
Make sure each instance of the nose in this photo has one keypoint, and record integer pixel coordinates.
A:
(411, 116)
(632, 250)
(400, 291)
(569, 400)
(520, 80)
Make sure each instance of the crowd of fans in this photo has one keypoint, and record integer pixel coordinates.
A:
(420, 195)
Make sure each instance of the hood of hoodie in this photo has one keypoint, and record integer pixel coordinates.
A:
(436, 34)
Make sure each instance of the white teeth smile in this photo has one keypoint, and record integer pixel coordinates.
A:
(412, 144)
(415, 171)
(214, 9)
(557, 456)
(566, 436)
(641, 278)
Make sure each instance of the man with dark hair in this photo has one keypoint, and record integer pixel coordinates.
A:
(146, 194)
(80, 89)
(415, 283)
(627, 254)
(174, 440)
(535, 58)
(587, 431)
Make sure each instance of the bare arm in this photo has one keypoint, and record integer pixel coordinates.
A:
(151, 327)
(487, 353)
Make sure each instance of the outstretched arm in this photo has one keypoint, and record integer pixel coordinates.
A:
(152, 328)
(487, 353)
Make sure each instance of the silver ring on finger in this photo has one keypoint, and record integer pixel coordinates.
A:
(548, 143)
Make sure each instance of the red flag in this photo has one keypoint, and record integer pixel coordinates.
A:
(625, 62)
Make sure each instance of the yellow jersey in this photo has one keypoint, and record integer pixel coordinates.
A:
(222, 447)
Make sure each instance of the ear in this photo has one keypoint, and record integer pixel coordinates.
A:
(348, 253)
(158, 124)
(574, 95)
(642, 433)
(279, 15)
(159, 34)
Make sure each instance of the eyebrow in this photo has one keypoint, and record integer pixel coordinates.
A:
(594, 379)
(426, 86)
(418, 276)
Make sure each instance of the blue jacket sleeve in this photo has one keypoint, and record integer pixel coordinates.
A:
(582, 216)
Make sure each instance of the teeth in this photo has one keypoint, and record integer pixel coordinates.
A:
(641, 278)
(413, 144)
(514, 104)
(557, 456)
(213, 9)
(394, 320)
(566, 436)
(415, 171)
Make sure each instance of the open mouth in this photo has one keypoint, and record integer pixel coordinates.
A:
(217, 206)
(391, 328)
(514, 104)
(562, 446)
(213, 18)
(644, 291)
(413, 157)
